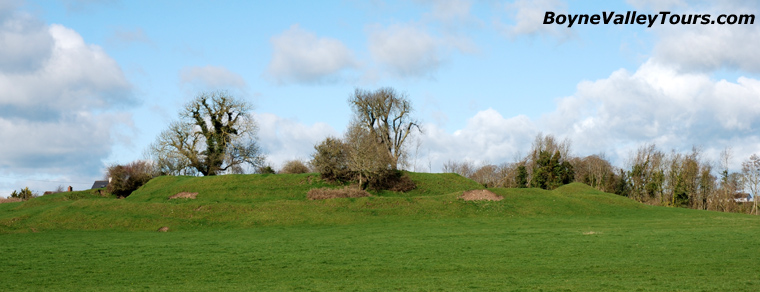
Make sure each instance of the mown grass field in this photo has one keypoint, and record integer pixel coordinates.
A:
(260, 233)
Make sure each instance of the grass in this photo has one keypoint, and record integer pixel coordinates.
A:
(652, 254)
(267, 236)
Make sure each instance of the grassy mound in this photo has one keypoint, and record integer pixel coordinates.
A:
(236, 188)
(244, 201)
(573, 238)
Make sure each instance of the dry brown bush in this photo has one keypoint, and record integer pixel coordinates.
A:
(10, 200)
(327, 193)
(294, 167)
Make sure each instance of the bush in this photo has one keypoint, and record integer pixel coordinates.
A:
(9, 200)
(124, 179)
(331, 160)
(392, 180)
(265, 169)
(402, 184)
(327, 193)
(24, 194)
(294, 167)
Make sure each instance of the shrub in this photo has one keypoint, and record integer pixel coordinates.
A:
(294, 167)
(331, 160)
(402, 184)
(24, 194)
(9, 200)
(124, 179)
(327, 193)
(265, 169)
(392, 180)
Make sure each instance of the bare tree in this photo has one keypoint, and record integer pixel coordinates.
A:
(465, 169)
(751, 178)
(387, 116)
(724, 199)
(487, 175)
(215, 133)
(647, 173)
(594, 170)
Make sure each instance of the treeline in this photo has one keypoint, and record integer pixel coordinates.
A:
(650, 176)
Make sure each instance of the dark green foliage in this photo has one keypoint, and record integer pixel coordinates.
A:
(331, 160)
(23, 194)
(265, 169)
(124, 179)
(392, 180)
(621, 186)
(522, 177)
(550, 173)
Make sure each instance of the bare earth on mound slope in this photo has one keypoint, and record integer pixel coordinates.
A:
(9, 200)
(184, 195)
(480, 195)
(328, 193)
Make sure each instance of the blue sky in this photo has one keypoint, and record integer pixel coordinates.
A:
(88, 83)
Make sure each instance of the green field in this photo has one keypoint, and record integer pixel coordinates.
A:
(257, 232)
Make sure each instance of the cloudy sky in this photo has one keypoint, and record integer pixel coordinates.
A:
(88, 83)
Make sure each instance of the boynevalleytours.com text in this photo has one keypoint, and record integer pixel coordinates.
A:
(632, 17)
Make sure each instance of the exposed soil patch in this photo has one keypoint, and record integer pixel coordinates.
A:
(327, 193)
(184, 195)
(10, 200)
(480, 195)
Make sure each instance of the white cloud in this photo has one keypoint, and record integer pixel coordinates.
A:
(57, 106)
(26, 43)
(75, 76)
(709, 47)
(8, 7)
(286, 139)
(299, 56)
(487, 137)
(657, 104)
(529, 19)
(212, 77)
(405, 50)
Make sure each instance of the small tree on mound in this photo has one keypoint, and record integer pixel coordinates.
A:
(551, 172)
(330, 159)
(387, 117)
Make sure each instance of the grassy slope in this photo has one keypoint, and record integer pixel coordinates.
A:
(229, 201)
(572, 238)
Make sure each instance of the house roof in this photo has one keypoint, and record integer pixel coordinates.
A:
(99, 184)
